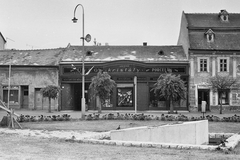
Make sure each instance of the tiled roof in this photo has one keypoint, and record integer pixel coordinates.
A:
(222, 41)
(226, 34)
(212, 20)
(45, 57)
(135, 53)
(52, 57)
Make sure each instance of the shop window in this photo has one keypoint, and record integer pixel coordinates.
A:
(125, 96)
(156, 102)
(225, 97)
(13, 96)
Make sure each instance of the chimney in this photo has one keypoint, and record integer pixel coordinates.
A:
(144, 43)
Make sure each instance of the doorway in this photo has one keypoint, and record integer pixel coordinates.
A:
(203, 95)
(24, 97)
(72, 95)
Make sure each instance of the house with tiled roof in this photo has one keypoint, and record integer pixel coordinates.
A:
(211, 41)
(135, 69)
(2, 42)
(26, 72)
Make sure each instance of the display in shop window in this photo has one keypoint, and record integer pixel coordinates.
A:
(125, 97)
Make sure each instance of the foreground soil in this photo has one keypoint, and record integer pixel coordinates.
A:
(14, 147)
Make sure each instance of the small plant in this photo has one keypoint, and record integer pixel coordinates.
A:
(51, 92)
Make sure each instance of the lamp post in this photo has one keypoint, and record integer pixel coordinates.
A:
(87, 38)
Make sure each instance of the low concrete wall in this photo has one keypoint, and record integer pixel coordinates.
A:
(185, 133)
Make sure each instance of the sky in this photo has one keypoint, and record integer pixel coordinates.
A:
(46, 24)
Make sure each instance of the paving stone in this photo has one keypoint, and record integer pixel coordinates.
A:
(119, 143)
(128, 144)
(100, 142)
(137, 144)
(147, 145)
(205, 147)
(93, 141)
(157, 145)
(195, 147)
(85, 141)
(184, 146)
(112, 143)
(165, 146)
(174, 146)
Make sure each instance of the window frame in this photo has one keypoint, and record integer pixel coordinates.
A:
(199, 64)
(226, 100)
(227, 64)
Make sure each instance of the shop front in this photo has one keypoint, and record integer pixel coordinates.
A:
(133, 91)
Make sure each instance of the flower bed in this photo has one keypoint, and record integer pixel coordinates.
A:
(129, 116)
(28, 118)
(162, 117)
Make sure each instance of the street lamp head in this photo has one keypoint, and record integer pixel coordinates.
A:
(74, 20)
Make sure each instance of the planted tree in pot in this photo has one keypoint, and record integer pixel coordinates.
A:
(102, 86)
(51, 92)
(170, 87)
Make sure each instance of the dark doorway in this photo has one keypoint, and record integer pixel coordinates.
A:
(72, 95)
(203, 95)
(24, 97)
(77, 94)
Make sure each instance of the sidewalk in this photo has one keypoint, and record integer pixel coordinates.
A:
(77, 114)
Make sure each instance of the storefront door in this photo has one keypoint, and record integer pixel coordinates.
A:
(203, 95)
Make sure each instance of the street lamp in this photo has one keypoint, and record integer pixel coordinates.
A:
(87, 38)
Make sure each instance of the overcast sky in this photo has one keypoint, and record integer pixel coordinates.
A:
(33, 24)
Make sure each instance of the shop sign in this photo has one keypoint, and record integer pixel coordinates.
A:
(132, 68)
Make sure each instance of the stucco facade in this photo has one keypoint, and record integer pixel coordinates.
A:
(213, 49)
(26, 72)
(29, 80)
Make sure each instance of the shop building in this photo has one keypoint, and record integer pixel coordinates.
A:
(211, 41)
(135, 69)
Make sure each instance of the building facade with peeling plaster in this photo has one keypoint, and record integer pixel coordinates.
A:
(28, 71)
(211, 42)
(134, 68)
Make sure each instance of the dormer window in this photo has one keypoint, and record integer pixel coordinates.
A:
(210, 35)
(223, 14)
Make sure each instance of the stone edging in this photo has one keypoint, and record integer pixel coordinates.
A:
(104, 138)
(232, 142)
